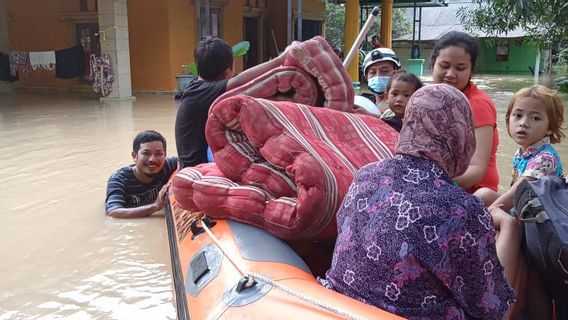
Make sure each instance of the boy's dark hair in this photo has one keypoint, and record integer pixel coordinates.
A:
(213, 56)
(405, 76)
(147, 136)
(374, 37)
(456, 39)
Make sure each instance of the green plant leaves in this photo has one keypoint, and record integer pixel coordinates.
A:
(193, 69)
(240, 49)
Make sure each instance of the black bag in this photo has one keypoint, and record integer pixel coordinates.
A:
(542, 206)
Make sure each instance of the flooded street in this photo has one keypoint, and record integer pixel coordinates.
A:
(62, 258)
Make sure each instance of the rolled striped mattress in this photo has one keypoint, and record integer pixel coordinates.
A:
(280, 165)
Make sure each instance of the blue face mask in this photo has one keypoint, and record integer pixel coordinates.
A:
(378, 84)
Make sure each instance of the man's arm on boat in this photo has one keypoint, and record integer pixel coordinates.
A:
(142, 211)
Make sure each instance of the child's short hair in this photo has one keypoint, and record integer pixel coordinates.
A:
(213, 56)
(551, 102)
(405, 76)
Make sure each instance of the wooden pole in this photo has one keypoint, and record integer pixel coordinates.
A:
(386, 23)
(351, 27)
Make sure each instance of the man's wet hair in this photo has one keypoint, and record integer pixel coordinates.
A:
(405, 76)
(456, 39)
(145, 137)
(213, 56)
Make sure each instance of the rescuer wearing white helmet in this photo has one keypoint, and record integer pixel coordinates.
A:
(378, 66)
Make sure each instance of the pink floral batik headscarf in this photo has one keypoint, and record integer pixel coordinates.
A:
(438, 125)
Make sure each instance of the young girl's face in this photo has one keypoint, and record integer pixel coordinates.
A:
(528, 122)
(398, 95)
(453, 66)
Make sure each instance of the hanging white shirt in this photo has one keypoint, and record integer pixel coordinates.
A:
(42, 59)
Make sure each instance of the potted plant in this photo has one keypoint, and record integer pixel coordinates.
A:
(189, 72)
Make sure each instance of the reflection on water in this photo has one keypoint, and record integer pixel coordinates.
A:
(61, 257)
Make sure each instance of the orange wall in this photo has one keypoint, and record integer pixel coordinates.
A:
(35, 26)
(148, 32)
(163, 38)
(232, 27)
(182, 37)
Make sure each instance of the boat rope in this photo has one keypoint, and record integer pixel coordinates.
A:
(226, 253)
(268, 280)
(290, 291)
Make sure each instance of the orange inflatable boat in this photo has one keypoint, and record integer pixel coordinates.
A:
(229, 270)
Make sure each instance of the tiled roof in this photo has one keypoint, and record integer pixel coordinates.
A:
(438, 20)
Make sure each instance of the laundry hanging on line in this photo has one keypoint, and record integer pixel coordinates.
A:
(70, 62)
(42, 60)
(19, 60)
(101, 74)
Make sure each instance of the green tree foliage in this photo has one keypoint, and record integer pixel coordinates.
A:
(546, 21)
(335, 24)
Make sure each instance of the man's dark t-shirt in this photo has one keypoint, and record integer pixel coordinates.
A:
(191, 118)
(125, 191)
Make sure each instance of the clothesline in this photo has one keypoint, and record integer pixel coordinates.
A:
(68, 63)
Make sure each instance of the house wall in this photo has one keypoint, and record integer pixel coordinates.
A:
(35, 26)
(520, 57)
(149, 35)
(161, 32)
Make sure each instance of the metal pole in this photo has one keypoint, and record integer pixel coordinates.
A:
(198, 18)
(362, 34)
(537, 66)
(299, 20)
(289, 22)
(207, 18)
(414, 24)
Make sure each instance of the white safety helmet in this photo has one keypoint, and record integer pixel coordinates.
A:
(380, 54)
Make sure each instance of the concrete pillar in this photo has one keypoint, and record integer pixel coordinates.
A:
(352, 11)
(113, 30)
(386, 23)
(4, 40)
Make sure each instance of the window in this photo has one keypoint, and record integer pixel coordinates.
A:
(210, 25)
(209, 17)
(502, 51)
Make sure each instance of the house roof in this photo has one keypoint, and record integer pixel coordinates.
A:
(437, 21)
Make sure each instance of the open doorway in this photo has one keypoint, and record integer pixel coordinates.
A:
(87, 36)
(251, 27)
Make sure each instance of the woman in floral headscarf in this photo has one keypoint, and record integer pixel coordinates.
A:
(411, 242)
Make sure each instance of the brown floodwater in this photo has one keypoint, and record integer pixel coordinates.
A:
(61, 257)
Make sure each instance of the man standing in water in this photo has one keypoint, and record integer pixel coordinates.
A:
(139, 190)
